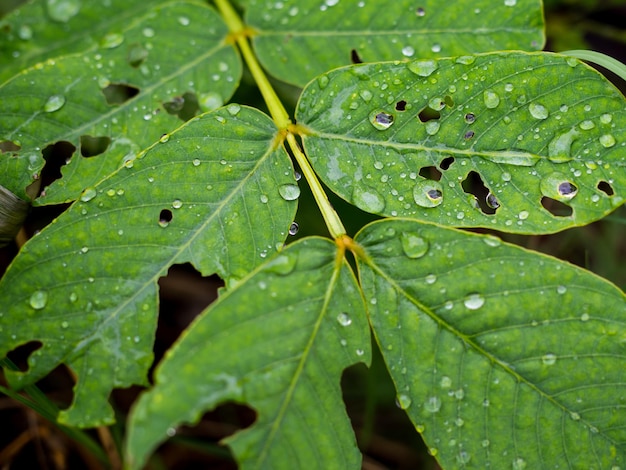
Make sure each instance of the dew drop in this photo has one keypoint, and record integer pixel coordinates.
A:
(344, 319)
(465, 59)
(430, 279)
(112, 40)
(519, 464)
(210, 101)
(607, 141)
(73, 297)
(523, 215)
(264, 198)
(289, 192)
(38, 299)
(403, 401)
(233, 109)
(293, 228)
(366, 95)
(586, 125)
(177, 204)
(474, 301)
(491, 99)
(433, 404)
(445, 382)
(432, 127)
(561, 290)
(64, 324)
(184, 21)
(88, 194)
(584, 317)
(381, 120)
(463, 457)
(282, 264)
(538, 111)
(196, 162)
(408, 51)
(606, 118)
(25, 32)
(164, 138)
(548, 359)
(420, 12)
(368, 199)
(470, 118)
(62, 10)
(148, 32)
(559, 148)
(413, 245)
(423, 68)
(54, 103)
(428, 193)
(171, 432)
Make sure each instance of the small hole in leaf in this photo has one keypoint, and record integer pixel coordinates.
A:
(475, 186)
(428, 114)
(430, 172)
(137, 54)
(448, 101)
(118, 93)
(556, 208)
(92, 146)
(354, 57)
(606, 188)
(8, 146)
(184, 107)
(165, 217)
(468, 135)
(470, 118)
(446, 162)
(19, 356)
(56, 156)
(401, 105)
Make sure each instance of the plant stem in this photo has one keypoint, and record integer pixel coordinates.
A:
(280, 116)
(603, 60)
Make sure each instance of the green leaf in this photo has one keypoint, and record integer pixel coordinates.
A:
(211, 195)
(295, 324)
(500, 356)
(297, 40)
(73, 99)
(40, 30)
(520, 142)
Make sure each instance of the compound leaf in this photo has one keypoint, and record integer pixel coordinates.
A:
(36, 32)
(501, 357)
(108, 103)
(86, 286)
(521, 142)
(335, 33)
(296, 323)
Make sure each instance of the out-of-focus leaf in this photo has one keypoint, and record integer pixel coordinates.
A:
(297, 40)
(42, 29)
(520, 142)
(213, 195)
(279, 342)
(502, 358)
(111, 102)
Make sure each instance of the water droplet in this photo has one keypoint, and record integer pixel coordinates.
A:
(184, 21)
(492, 201)
(164, 138)
(586, 125)
(491, 99)
(584, 317)
(557, 186)
(381, 120)
(474, 301)
(423, 68)
(171, 432)
(38, 299)
(506, 176)
(523, 215)
(283, 264)
(510, 3)
(404, 401)
(84, 249)
(606, 118)
(561, 290)
(470, 118)
(445, 382)
(62, 10)
(408, 51)
(366, 95)
(519, 464)
(413, 245)
(559, 148)
(463, 457)
(73, 297)
(54, 103)
(210, 101)
(344, 319)
(148, 32)
(465, 59)
(430, 279)
(293, 228)
(512, 157)
(64, 324)
(177, 204)
(88, 194)
(433, 404)
(432, 127)
(25, 32)
(233, 109)
(420, 12)
(548, 359)
(196, 162)
(367, 198)
(607, 140)
(538, 111)
(485, 443)
(428, 193)
(289, 192)
(112, 40)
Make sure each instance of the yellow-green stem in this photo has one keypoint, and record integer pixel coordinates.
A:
(280, 116)
(335, 227)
